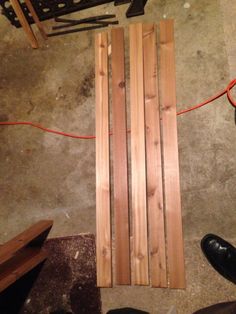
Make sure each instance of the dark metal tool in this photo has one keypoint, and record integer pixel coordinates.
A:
(96, 21)
(75, 30)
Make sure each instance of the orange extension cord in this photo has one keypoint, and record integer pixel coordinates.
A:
(89, 137)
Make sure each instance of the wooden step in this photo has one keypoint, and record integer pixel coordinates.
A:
(20, 265)
(33, 236)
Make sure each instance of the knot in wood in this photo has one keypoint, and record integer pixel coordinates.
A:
(154, 251)
(166, 108)
(151, 192)
(150, 96)
(104, 252)
(140, 256)
(122, 84)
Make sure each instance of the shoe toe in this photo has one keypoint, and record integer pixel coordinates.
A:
(209, 243)
(221, 255)
(213, 246)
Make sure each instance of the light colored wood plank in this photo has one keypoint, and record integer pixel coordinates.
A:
(36, 19)
(19, 265)
(175, 252)
(120, 163)
(138, 160)
(103, 224)
(10, 248)
(24, 23)
(154, 164)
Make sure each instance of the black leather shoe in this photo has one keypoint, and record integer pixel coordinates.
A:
(221, 255)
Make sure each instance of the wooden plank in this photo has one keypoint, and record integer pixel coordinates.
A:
(24, 23)
(154, 163)
(175, 252)
(36, 19)
(103, 224)
(10, 248)
(138, 160)
(19, 265)
(120, 163)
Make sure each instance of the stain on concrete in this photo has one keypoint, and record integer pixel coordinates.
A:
(200, 54)
(87, 84)
(4, 117)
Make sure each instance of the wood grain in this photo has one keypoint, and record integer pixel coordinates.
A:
(33, 236)
(175, 252)
(154, 163)
(24, 23)
(19, 265)
(138, 160)
(120, 163)
(36, 19)
(103, 224)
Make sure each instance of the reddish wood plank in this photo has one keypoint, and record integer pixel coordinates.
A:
(10, 248)
(103, 224)
(138, 160)
(154, 163)
(19, 265)
(120, 163)
(175, 252)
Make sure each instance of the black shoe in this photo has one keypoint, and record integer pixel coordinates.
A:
(221, 255)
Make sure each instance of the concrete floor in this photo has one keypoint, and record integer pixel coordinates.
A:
(46, 176)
